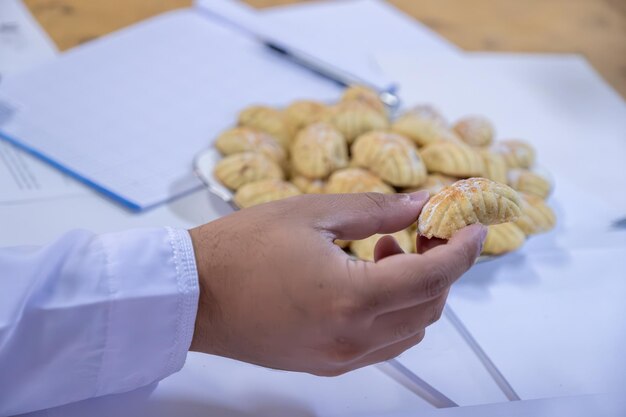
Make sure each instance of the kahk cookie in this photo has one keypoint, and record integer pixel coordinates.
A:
(495, 166)
(353, 118)
(356, 180)
(503, 238)
(302, 113)
(474, 130)
(423, 125)
(318, 150)
(364, 249)
(241, 168)
(390, 156)
(245, 139)
(264, 191)
(268, 120)
(366, 96)
(453, 159)
(474, 200)
(536, 217)
(309, 186)
(529, 182)
(517, 153)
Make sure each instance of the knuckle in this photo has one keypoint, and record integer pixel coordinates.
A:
(403, 331)
(437, 281)
(347, 311)
(377, 201)
(466, 256)
(435, 315)
(376, 204)
(352, 310)
(342, 351)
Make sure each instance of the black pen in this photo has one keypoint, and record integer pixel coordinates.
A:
(330, 72)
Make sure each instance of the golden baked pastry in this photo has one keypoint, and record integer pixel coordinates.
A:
(353, 118)
(517, 153)
(343, 244)
(529, 182)
(302, 113)
(318, 150)
(495, 166)
(413, 235)
(245, 139)
(264, 191)
(433, 184)
(356, 180)
(536, 217)
(309, 186)
(364, 249)
(503, 238)
(365, 95)
(423, 125)
(474, 130)
(242, 168)
(390, 156)
(474, 200)
(268, 120)
(454, 159)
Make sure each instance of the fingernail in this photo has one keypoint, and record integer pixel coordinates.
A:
(419, 196)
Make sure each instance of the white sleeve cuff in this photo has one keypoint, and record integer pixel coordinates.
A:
(153, 286)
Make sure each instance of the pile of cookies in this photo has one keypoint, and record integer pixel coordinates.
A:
(353, 146)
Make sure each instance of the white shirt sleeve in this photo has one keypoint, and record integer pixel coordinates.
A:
(90, 315)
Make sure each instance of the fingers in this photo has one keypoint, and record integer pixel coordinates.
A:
(386, 246)
(461, 251)
(357, 216)
(380, 355)
(390, 328)
(399, 282)
(396, 326)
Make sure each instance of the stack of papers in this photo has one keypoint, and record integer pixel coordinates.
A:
(140, 103)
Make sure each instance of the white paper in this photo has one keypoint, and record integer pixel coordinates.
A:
(342, 34)
(24, 178)
(596, 405)
(555, 102)
(445, 361)
(551, 316)
(219, 387)
(23, 44)
(38, 222)
(553, 322)
(128, 112)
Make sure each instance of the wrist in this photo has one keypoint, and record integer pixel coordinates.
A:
(200, 338)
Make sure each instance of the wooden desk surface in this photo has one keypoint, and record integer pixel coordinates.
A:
(595, 28)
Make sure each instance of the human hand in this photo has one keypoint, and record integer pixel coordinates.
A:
(276, 291)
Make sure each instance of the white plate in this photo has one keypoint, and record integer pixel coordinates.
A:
(203, 166)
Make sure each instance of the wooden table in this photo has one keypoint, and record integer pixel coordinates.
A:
(595, 28)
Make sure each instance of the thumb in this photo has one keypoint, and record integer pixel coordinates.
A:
(357, 216)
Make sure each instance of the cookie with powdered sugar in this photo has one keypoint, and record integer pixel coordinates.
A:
(466, 202)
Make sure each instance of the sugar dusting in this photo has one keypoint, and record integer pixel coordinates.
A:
(466, 187)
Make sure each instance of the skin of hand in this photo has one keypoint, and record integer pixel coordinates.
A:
(276, 291)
